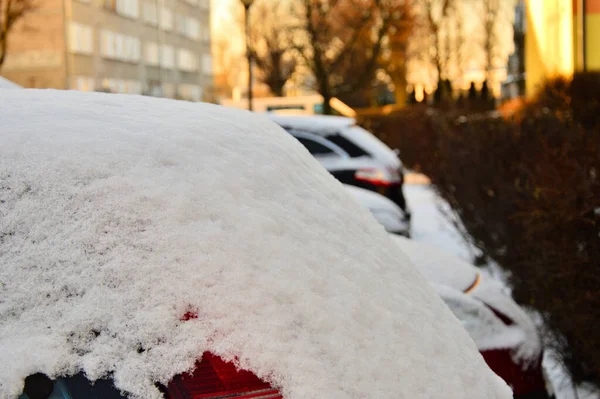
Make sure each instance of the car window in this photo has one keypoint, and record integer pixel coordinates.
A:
(352, 149)
(315, 148)
(39, 386)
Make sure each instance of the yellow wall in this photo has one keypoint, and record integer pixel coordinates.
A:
(549, 41)
(552, 40)
(593, 41)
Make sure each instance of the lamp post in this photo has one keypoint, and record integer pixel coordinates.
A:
(247, 4)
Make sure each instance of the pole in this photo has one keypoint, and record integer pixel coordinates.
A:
(248, 54)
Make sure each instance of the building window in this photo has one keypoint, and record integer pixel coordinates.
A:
(169, 90)
(150, 13)
(128, 8)
(122, 86)
(166, 19)
(187, 26)
(120, 47)
(207, 66)
(84, 83)
(189, 92)
(186, 60)
(151, 53)
(81, 38)
(206, 33)
(167, 56)
(192, 28)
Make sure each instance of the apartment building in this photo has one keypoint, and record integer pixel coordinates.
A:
(152, 47)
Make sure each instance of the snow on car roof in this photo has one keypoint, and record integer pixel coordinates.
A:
(119, 214)
(438, 266)
(317, 124)
(372, 200)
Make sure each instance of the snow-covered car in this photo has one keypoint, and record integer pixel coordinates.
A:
(505, 334)
(386, 212)
(163, 257)
(350, 153)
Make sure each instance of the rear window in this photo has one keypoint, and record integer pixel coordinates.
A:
(352, 149)
(315, 148)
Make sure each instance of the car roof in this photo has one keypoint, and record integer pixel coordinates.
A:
(123, 214)
(438, 266)
(316, 124)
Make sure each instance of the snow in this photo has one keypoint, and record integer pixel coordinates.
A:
(119, 214)
(7, 84)
(318, 124)
(487, 330)
(385, 211)
(437, 266)
(445, 269)
(429, 223)
(492, 293)
(436, 240)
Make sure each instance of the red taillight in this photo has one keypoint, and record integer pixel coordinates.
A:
(214, 378)
(379, 177)
(522, 380)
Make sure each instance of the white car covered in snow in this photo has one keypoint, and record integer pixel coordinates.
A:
(181, 250)
(350, 153)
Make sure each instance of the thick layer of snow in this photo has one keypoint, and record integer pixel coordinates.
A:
(7, 84)
(491, 292)
(429, 223)
(487, 330)
(385, 211)
(444, 268)
(439, 267)
(119, 214)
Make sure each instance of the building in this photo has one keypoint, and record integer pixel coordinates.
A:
(153, 47)
(563, 36)
(514, 85)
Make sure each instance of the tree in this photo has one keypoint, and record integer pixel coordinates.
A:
(227, 66)
(342, 41)
(437, 13)
(270, 44)
(11, 11)
(495, 14)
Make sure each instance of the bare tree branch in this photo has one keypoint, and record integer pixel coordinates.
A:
(11, 11)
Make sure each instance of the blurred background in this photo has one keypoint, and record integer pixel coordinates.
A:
(496, 102)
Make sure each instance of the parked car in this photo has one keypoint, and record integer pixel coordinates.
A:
(386, 212)
(505, 334)
(158, 246)
(350, 153)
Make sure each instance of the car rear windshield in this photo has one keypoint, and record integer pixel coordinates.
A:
(352, 149)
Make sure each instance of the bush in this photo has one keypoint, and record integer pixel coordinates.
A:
(527, 190)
